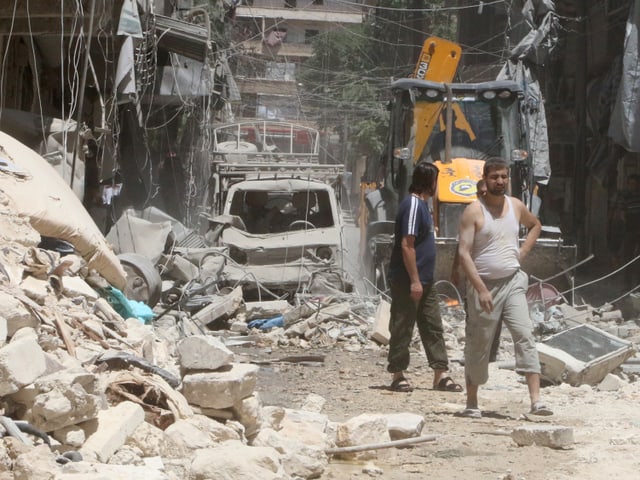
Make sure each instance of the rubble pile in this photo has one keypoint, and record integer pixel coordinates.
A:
(86, 393)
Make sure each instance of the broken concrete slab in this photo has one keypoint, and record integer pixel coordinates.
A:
(203, 352)
(221, 389)
(77, 287)
(551, 436)
(16, 314)
(238, 462)
(218, 432)
(72, 436)
(611, 383)
(306, 427)
(109, 431)
(221, 306)
(249, 413)
(153, 441)
(380, 332)
(266, 309)
(188, 435)
(330, 312)
(61, 399)
(361, 430)
(313, 403)
(21, 362)
(37, 290)
(39, 462)
(404, 425)
(99, 471)
(582, 355)
(299, 460)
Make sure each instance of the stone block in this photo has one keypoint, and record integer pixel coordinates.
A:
(249, 413)
(21, 362)
(221, 306)
(152, 442)
(187, 434)
(221, 389)
(380, 332)
(203, 352)
(76, 287)
(16, 315)
(543, 436)
(307, 427)
(299, 460)
(36, 289)
(404, 425)
(238, 462)
(611, 383)
(362, 430)
(61, 399)
(110, 430)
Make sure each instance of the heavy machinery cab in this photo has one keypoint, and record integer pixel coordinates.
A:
(484, 121)
(457, 126)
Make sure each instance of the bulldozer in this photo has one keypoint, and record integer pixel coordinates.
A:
(457, 126)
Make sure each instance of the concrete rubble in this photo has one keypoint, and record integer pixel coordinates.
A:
(110, 397)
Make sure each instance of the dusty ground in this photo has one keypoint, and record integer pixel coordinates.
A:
(606, 425)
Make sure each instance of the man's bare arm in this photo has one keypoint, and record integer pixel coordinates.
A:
(533, 225)
(466, 234)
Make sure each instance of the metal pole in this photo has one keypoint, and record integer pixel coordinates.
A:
(83, 81)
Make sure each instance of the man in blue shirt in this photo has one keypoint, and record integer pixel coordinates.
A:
(413, 298)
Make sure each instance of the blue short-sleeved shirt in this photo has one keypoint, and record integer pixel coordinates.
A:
(413, 218)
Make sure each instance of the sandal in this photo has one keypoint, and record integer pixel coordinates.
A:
(539, 408)
(448, 385)
(471, 413)
(401, 385)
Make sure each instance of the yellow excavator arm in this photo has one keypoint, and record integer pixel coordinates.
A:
(438, 62)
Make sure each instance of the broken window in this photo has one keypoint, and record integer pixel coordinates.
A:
(276, 212)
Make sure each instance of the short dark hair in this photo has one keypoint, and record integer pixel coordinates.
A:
(424, 178)
(494, 163)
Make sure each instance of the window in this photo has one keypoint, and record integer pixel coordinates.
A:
(290, 3)
(309, 35)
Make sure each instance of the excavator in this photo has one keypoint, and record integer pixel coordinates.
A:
(457, 126)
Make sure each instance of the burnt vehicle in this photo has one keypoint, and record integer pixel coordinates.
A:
(277, 212)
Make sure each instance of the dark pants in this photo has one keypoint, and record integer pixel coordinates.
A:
(405, 314)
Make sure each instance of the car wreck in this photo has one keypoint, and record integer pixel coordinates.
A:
(277, 212)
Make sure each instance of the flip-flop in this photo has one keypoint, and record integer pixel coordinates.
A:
(448, 385)
(401, 385)
(472, 413)
(539, 408)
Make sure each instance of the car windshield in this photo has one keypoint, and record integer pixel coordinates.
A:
(282, 211)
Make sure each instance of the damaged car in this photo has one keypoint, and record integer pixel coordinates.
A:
(284, 236)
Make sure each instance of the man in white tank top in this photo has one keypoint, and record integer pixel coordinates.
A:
(490, 255)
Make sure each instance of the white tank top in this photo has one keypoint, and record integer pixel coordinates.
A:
(496, 251)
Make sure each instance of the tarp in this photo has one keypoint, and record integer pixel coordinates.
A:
(534, 49)
(534, 116)
(37, 191)
(624, 128)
